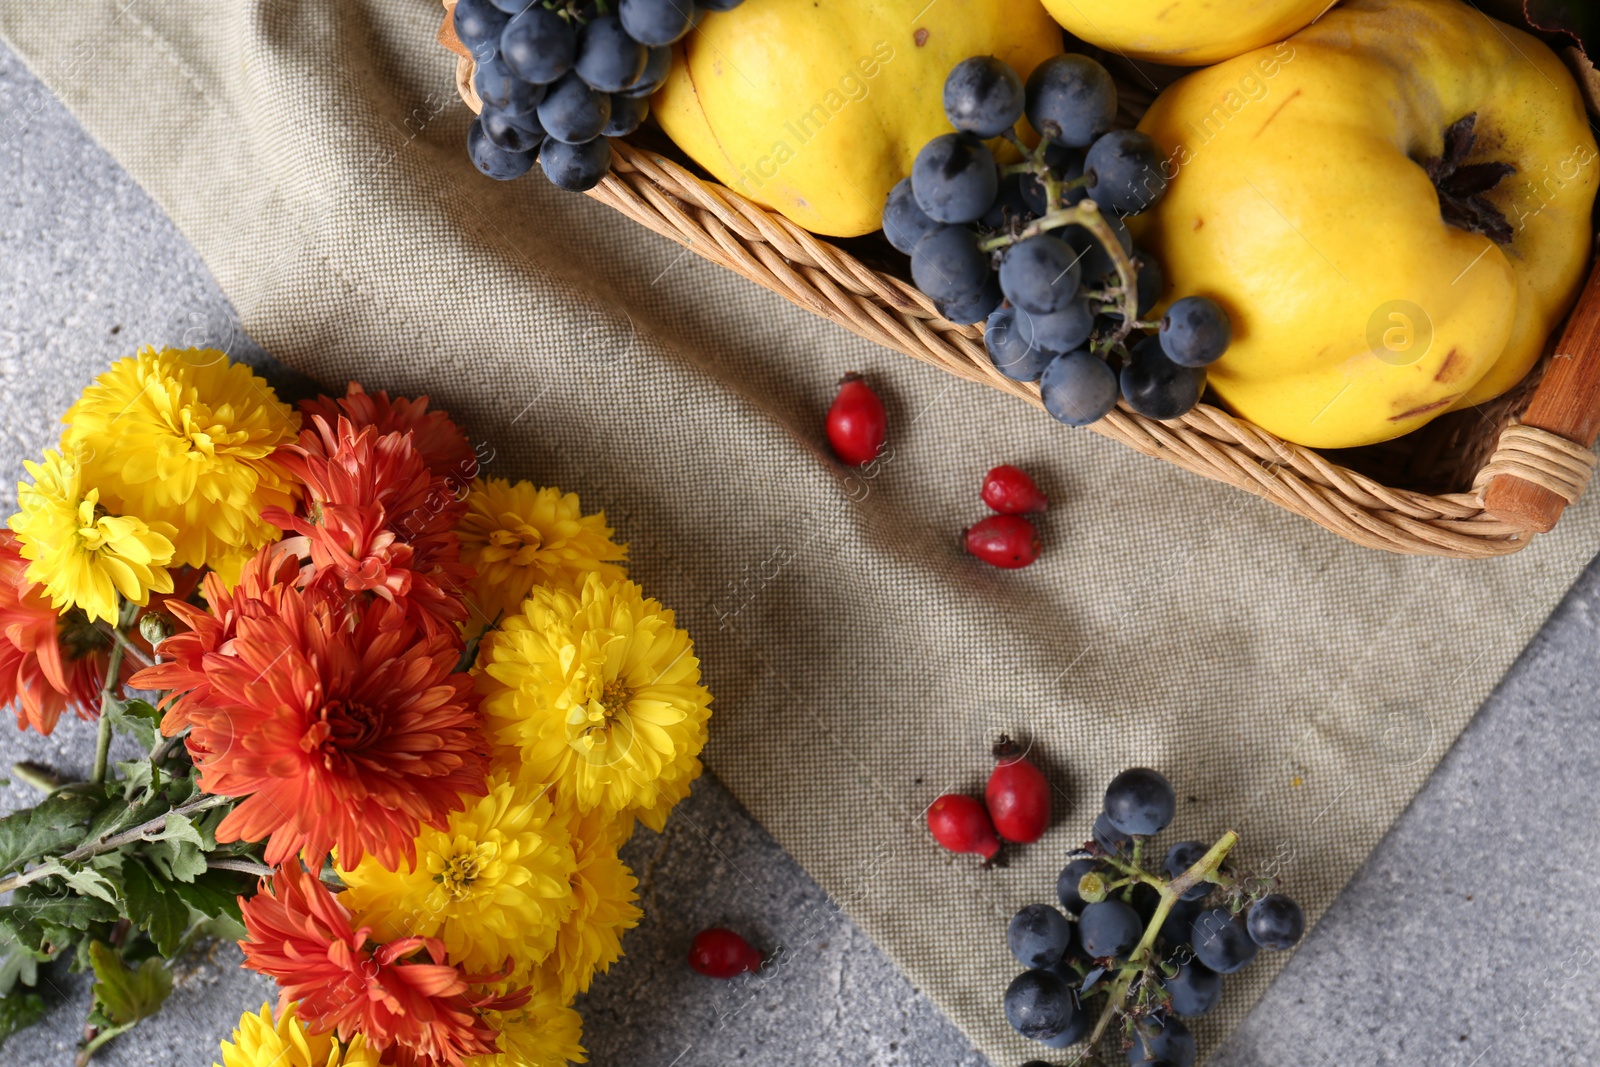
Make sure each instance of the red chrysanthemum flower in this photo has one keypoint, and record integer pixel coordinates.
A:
(48, 661)
(415, 1011)
(443, 446)
(181, 675)
(376, 520)
(342, 725)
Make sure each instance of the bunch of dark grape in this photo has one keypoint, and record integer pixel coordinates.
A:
(1143, 949)
(560, 77)
(1039, 248)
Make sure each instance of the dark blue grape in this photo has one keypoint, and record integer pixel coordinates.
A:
(608, 59)
(656, 69)
(627, 114)
(501, 89)
(1150, 282)
(1067, 882)
(539, 46)
(514, 133)
(1011, 355)
(1095, 263)
(1039, 1005)
(1071, 100)
(1140, 801)
(1040, 274)
(1158, 388)
(954, 178)
(1221, 941)
(1076, 1029)
(1127, 170)
(904, 223)
(512, 7)
(1078, 388)
(573, 112)
(656, 22)
(1195, 332)
(1179, 924)
(1276, 922)
(1108, 836)
(478, 25)
(947, 264)
(1038, 936)
(1011, 202)
(1109, 928)
(491, 159)
(576, 167)
(1180, 858)
(1067, 164)
(982, 96)
(1145, 899)
(1194, 990)
(973, 309)
(1164, 1041)
(1058, 333)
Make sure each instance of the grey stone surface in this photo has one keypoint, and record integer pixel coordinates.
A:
(1467, 938)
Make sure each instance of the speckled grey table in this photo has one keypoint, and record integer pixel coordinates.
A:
(1467, 938)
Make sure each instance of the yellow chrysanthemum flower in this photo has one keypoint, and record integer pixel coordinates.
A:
(604, 892)
(187, 438)
(81, 555)
(493, 885)
(519, 536)
(600, 695)
(259, 1042)
(545, 1032)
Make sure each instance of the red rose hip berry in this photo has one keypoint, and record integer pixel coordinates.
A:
(1018, 795)
(960, 824)
(857, 422)
(1010, 491)
(1007, 541)
(721, 953)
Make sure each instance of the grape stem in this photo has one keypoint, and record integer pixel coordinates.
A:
(1085, 213)
(1204, 870)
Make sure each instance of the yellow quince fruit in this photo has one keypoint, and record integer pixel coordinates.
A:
(816, 108)
(1394, 207)
(1184, 33)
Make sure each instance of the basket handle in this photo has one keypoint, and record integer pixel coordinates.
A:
(1567, 404)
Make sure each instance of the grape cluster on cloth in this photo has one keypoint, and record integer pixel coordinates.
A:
(559, 77)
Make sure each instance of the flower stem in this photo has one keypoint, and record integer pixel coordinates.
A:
(108, 700)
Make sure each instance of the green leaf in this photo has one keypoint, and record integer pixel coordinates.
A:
(123, 994)
(129, 717)
(38, 904)
(153, 907)
(214, 894)
(178, 851)
(87, 882)
(18, 1011)
(19, 966)
(55, 823)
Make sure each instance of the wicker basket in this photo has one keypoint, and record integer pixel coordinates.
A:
(1472, 484)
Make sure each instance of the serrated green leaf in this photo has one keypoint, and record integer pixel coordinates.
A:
(123, 994)
(40, 904)
(214, 894)
(90, 883)
(178, 851)
(18, 1011)
(19, 966)
(19, 928)
(153, 907)
(138, 726)
(138, 776)
(57, 822)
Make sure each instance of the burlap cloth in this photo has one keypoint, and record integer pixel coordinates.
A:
(1296, 688)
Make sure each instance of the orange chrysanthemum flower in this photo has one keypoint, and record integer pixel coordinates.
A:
(410, 1006)
(443, 446)
(181, 676)
(376, 520)
(341, 724)
(48, 661)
